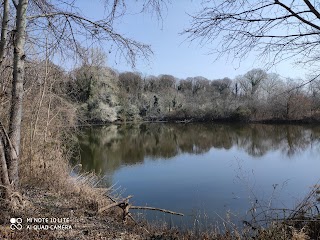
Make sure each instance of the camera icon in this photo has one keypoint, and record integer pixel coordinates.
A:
(16, 223)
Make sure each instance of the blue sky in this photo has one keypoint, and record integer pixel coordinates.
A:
(173, 54)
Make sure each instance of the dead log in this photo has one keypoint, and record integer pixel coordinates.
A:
(115, 204)
(125, 206)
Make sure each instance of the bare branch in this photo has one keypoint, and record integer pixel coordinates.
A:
(270, 27)
(156, 209)
(297, 15)
(15, 3)
(312, 8)
(98, 30)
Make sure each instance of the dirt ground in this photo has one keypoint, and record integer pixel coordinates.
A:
(46, 212)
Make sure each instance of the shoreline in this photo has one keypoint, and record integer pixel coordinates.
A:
(306, 121)
(86, 222)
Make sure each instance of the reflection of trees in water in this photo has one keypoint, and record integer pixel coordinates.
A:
(107, 148)
(297, 139)
(289, 139)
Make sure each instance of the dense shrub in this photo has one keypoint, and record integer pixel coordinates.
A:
(242, 113)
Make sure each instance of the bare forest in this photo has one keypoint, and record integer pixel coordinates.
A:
(104, 95)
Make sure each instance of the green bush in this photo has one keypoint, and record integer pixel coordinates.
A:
(241, 113)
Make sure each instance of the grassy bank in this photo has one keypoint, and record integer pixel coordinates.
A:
(82, 202)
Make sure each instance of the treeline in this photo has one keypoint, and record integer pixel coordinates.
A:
(104, 95)
(96, 94)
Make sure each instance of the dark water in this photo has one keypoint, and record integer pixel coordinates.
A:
(205, 170)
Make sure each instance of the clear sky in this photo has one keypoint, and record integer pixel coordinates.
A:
(173, 54)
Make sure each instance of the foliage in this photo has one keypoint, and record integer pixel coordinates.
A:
(95, 89)
(105, 96)
(241, 114)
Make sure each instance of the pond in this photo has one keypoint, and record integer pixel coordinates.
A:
(204, 170)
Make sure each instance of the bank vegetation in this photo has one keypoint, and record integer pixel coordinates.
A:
(105, 95)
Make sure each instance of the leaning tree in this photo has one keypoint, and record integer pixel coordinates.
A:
(27, 24)
(277, 29)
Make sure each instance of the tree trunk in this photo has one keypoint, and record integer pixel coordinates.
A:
(17, 93)
(4, 178)
(4, 170)
(4, 29)
(3, 40)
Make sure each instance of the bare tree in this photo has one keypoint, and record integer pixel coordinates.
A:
(271, 85)
(62, 22)
(277, 29)
(251, 81)
(10, 140)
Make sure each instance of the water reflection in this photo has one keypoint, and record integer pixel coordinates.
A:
(105, 149)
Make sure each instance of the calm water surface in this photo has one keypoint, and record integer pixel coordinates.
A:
(205, 170)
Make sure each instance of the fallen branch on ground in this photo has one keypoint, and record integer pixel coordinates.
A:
(157, 209)
(115, 204)
(125, 206)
